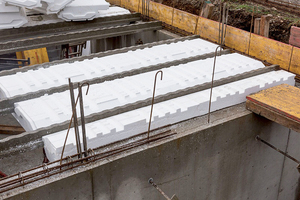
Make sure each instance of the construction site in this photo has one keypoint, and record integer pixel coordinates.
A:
(153, 100)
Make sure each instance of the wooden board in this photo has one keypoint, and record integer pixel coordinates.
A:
(184, 21)
(269, 50)
(280, 104)
(295, 62)
(237, 39)
(295, 36)
(161, 12)
(6, 129)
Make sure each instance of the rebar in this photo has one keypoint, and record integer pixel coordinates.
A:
(154, 88)
(212, 81)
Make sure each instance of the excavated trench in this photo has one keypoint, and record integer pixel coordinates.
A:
(240, 17)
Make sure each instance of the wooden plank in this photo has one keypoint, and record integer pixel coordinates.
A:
(280, 104)
(208, 29)
(270, 50)
(295, 36)
(237, 39)
(114, 2)
(37, 56)
(184, 20)
(273, 116)
(295, 61)
(207, 10)
(6, 129)
(257, 26)
(161, 12)
(131, 4)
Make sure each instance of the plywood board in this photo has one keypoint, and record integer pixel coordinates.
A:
(270, 50)
(208, 29)
(161, 12)
(184, 20)
(237, 39)
(295, 61)
(114, 2)
(280, 104)
(131, 4)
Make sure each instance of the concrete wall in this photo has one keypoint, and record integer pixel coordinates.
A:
(221, 161)
(145, 37)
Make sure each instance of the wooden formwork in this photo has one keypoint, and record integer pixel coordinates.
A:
(265, 49)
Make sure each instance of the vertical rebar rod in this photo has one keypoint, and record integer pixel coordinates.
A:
(226, 22)
(212, 82)
(78, 144)
(223, 22)
(220, 19)
(82, 119)
(154, 88)
(252, 21)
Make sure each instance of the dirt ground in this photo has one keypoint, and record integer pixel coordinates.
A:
(240, 15)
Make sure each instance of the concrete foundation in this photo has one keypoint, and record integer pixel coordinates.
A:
(221, 160)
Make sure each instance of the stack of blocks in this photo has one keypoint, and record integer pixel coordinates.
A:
(131, 123)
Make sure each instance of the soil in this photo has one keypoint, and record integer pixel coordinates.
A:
(240, 16)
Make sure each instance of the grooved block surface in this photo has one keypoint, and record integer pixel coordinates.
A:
(119, 92)
(18, 84)
(134, 122)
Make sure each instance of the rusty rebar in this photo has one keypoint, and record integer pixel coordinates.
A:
(154, 88)
(212, 82)
(150, 181)
(82, 115)
(278, 150)
(251, 26)
(56, 169)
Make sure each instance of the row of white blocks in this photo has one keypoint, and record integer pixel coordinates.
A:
(52, 109)
(13, 15)
(57, 75)
(131, 123)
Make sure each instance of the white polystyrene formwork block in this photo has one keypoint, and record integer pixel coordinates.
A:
(131, 123)
(24, 3)
(55, 108)
(57, 75)
(80, 10)
(113, 11)
(11, 16)
(54, 6)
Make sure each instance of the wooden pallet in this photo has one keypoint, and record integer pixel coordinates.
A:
(280, 104)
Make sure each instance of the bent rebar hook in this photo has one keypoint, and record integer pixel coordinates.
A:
(154, 87)
(212, 81)
(71, 120)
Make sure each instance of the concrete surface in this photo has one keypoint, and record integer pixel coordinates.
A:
(221, 160)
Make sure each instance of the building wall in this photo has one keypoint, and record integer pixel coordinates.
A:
(223, 161)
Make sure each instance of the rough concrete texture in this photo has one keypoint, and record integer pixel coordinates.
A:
(221, 160)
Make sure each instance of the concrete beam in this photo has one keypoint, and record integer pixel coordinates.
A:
(76, 36)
